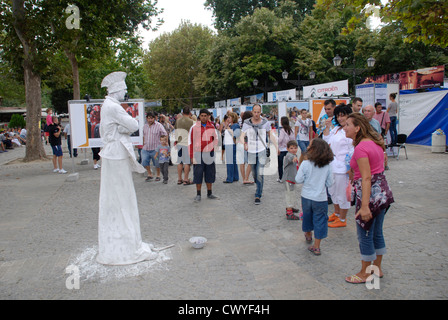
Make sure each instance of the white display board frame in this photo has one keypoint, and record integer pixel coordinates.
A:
(84, 122)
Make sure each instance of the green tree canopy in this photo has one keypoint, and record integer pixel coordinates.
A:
(261, 47)
(173, 62)
(422, 20)
(229, 12)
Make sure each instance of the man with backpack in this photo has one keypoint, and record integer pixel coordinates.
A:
(256, 129)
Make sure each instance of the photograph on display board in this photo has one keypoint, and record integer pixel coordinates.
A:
(296, 106)
(318, 110)
(423, 78)
(286, 109)
(256, 98)
(85, 122)
(270, 112)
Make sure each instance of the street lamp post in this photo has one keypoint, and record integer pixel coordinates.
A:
(298, 83)
(354, 71)
(265, 88)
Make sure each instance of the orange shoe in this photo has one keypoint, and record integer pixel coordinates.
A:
(332, 217)
(337, 224)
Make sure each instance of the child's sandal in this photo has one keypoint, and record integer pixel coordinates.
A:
(316, 251)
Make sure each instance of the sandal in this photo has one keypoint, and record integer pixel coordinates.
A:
(316, 251)
(148, 178)
(355, 279)
(179, 182)
(187, 182)
(158, 179)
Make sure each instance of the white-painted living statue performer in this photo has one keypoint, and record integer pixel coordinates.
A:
(119, 237)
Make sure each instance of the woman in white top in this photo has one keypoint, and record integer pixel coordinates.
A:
(302, 132)
(342, 148)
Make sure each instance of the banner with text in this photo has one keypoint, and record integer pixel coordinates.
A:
(337, 88)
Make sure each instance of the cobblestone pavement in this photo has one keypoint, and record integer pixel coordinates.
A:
(48, 224)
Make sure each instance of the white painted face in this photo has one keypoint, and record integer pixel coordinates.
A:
(119, 95)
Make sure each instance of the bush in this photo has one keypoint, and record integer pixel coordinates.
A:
(17, 120)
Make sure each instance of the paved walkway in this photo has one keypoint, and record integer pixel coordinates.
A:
(253, 252)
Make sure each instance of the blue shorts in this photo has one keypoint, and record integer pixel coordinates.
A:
(57, 150)
(205, 168)
(315, 217)
(147, 156)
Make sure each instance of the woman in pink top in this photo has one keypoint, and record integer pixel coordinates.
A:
(371, 195)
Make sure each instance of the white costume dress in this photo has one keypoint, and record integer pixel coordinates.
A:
(119, 237)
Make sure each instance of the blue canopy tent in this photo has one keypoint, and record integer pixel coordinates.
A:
(423, 114)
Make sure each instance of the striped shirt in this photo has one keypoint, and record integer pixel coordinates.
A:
(151, 135)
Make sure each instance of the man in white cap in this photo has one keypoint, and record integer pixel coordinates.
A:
(119, 236)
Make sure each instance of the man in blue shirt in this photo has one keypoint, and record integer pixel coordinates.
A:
(368, 111)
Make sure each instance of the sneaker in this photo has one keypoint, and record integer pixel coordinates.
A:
(62, 171)
(55, 170)
(165, 181)
(197, 198)
(257, 201)
(337, 224)
(212, 196)
(95, 167)
(332, 217)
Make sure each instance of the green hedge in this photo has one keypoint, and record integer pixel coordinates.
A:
(17, 120)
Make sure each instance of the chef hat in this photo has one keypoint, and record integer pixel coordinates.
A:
(114, 82)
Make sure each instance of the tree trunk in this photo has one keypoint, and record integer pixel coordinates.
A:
(34, 147)
(75, 73)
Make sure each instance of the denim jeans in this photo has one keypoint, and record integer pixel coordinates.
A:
(303, 145)
(280, 158)
(393, 129)
(371, 243)
(147, 156)
(315, 217)
(232, 166)
(257, 162)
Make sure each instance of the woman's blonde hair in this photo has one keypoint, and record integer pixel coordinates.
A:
(234, 117)
(366, 131)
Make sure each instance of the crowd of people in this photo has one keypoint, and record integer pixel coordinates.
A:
(340, 161)
(340, 157)
(11, 138)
